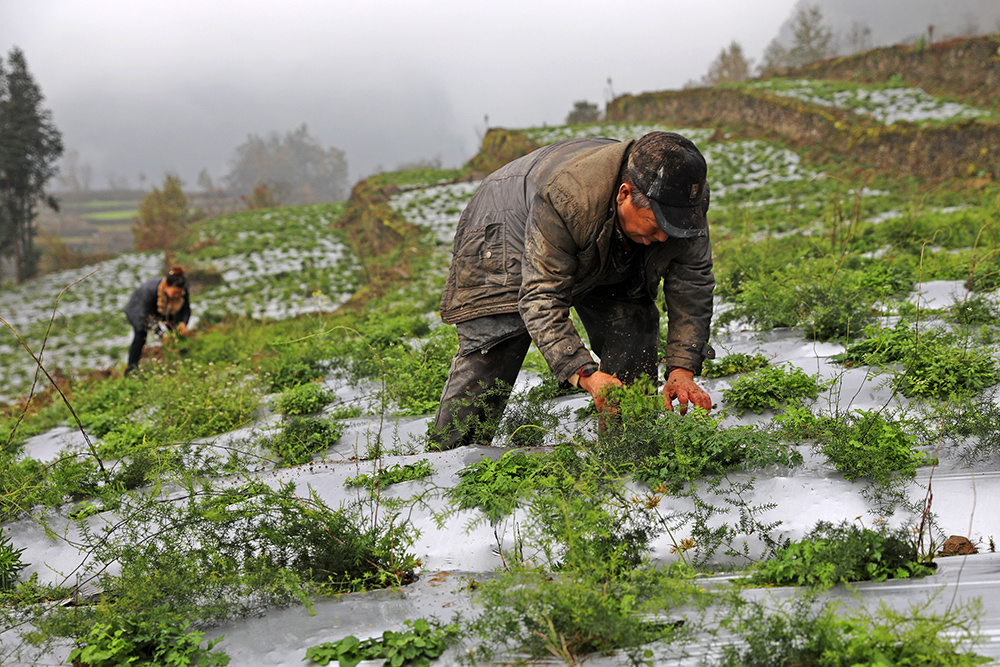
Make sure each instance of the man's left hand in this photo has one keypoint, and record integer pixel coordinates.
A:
(680, 386)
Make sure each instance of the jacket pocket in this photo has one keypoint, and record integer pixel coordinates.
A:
(482, 255)
(494, 255)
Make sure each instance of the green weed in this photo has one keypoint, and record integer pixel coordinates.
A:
(571, 615)
(870, 444)
(971, 423)
(283, 372)
(802, 633)
(975, 310)
(415, 373)
(731, 364)
(424, 642)
(393, 474)
(667, 449)
(883, 345)
(940, 371)
(529, 417)
(496, 486)
(798, 422)
(10, 564)
(832, 554)
(771, 388)
(935, 363)
(154, 637)
(824, 296)
(303, 399)
(28, 593)
(303, 437)
(213, 555)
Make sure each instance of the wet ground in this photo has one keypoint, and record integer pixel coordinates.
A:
(965, 502)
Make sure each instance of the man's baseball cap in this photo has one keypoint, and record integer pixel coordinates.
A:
(670, 170)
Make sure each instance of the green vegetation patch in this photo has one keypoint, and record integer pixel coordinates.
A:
(934, 363)
(831, 635)
(583, 612)
(496, 486)
(423, 643)
(823, 296)
(10, 564)
(870, 444)
(830, 554)
(772, 388)
(731, 364)
(111, 215)
(233, 552)
(301, 438)
(970, 422)
(577, 577)
(303, 399)
(668, 450)
(393, 474)
(154, 637)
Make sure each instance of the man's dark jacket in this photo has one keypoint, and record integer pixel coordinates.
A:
(539, 232)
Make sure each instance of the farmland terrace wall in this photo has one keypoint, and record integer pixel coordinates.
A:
(500, 146)
(378, 236)
(934, 154)
(968, 69)
(373, 228)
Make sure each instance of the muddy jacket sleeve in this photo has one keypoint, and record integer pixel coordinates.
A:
(552, 255)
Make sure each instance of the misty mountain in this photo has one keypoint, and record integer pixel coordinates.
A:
(900, 21)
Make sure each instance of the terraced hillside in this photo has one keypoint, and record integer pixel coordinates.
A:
(887, 111)
(260, 479)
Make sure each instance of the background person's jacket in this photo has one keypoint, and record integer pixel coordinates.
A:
(540, 230)
(141, 308)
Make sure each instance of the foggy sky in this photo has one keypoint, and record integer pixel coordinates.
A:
(151, 86)
(148, 86)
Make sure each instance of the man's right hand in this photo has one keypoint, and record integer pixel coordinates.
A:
(594, 383)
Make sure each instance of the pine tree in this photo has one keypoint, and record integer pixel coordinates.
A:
(30, 145)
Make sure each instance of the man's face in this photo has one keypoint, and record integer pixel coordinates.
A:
(639, 224)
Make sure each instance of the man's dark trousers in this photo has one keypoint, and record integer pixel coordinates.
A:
(623, 332)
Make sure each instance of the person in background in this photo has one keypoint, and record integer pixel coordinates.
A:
(157, 303)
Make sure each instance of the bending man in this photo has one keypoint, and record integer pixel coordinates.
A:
(592, 224)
